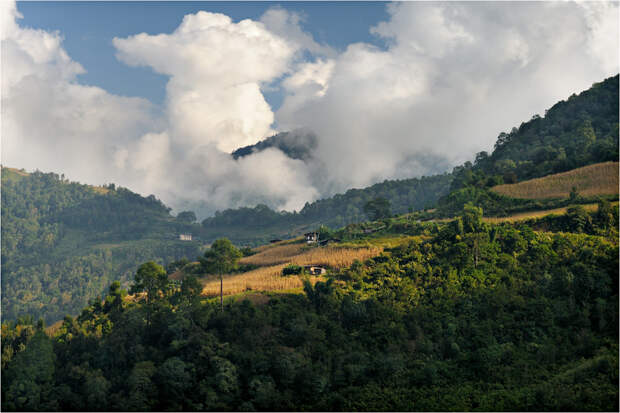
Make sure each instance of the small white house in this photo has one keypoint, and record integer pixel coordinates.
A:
(311, 237)
(185, 237)
(315, 270)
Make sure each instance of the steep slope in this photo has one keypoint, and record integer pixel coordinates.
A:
(580, 131)
(591, 180)
(63, 242)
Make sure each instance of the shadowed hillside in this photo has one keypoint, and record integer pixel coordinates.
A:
(63, 242)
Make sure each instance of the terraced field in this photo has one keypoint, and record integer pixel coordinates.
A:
(522, 216)
(591, 180)
(273, 258)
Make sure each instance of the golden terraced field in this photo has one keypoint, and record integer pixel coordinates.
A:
(591, 180)
(273, 259)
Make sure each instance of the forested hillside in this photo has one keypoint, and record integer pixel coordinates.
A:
(406, 195)
(63, 242)
(465, 316)
(580, 131)
(297, 144)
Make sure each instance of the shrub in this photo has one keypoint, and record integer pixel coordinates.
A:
(292, 269)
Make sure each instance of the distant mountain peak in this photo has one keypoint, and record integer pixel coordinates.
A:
(296, 144)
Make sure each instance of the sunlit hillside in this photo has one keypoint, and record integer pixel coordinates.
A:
(591, 180)
(272, 259)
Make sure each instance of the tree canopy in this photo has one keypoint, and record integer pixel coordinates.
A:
(221, 258)
(378, 208)
(470, 316)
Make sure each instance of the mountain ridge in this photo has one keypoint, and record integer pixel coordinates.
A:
(62, 239)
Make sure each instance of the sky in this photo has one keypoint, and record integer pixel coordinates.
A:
(154, 96)
(88, 40)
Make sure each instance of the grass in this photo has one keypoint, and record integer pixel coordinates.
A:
(274, 257)
(300, 254)
(262, 279)
(256, 298)
(298, 240)
(591, 180)
(273, 254)
(386, 241)
(15, 171)
(522, 216)
(53, 329)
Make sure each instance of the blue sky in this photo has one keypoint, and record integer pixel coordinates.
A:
(89, 27)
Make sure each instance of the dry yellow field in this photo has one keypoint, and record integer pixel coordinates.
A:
(274, 258)
(299, 254)
(521, 216)
(262, 279)
(591, 180)
(335, 257)
(100, 190)
(273, 254)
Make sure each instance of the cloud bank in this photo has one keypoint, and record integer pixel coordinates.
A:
(451, 77)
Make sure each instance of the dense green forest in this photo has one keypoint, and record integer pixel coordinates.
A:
(404, 195)
(579, 131)
(297, 144)
(63, 242)
(466, 316)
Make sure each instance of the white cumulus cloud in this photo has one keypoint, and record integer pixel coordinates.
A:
(51, 122)
(451, 77)
(216, 69)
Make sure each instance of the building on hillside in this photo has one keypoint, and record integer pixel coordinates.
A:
(273, 241)
(314, 270)
(311, 237)
(185, 237)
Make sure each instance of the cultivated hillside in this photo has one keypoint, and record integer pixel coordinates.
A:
(452, 316)
(588, 181)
